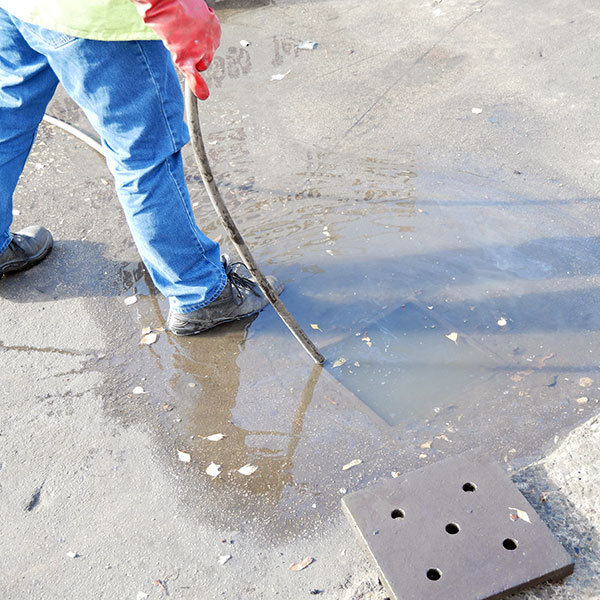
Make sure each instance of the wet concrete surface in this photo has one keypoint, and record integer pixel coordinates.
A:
(396, 216)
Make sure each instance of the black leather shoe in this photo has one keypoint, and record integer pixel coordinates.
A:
(240, 298)
(27, 248)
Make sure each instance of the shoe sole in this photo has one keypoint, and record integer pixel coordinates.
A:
(34, 260)
(183, 331)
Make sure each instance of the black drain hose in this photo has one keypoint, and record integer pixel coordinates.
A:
(191, 108)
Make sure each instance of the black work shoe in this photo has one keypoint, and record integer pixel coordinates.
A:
(27, 248)
(240, 298)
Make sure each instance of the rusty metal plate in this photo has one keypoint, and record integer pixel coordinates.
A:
(454, 530)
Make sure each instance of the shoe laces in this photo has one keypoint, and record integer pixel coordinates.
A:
(238, 282)
(16, 241)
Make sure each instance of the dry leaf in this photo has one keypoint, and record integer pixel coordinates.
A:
(183, 456)
(308, 45)
(224, 558)
(213, 470)
(339, 362)
(167, 407)
(444, 437)
(582, 400)
(247, 469)
(146, 330)
(367, 339)
(502, 322)
(215, 437)
(130, 300)
(302, 564)
(351, 464)
(586, 382)
(453, 337)
(279, 76)
(149, 339)
(315, 326)
(138, 390)
(521, 514)
(426, 445)
(519, 375)
(542, 361)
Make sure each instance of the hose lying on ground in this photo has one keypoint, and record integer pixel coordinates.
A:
(191, 107)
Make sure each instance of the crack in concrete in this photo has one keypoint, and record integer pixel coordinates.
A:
(47, 350)
(35, 498)
(409, 70)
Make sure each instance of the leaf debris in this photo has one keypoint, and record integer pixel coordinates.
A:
(184, 456)
(302, 564)
(352, 463)
(453, 336)
(339, 362)
(520, 514)
(215, 437)
(149, 339)
(213, 470)
(280, 76)
(247, 469)
(307, 45)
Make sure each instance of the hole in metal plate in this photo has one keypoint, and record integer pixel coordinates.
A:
(452, 528)
(510, 544)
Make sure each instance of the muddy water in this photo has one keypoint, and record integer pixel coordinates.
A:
(423, 291)
(452, 308)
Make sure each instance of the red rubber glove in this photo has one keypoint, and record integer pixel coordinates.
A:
(191, 32)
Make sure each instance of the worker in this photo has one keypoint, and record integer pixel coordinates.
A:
(112, 58)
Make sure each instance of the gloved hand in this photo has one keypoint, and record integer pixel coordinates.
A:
(191, 32)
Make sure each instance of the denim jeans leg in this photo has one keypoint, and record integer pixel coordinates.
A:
(132, 97)
(26, 86)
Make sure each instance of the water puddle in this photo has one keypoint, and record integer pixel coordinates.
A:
(442, 306)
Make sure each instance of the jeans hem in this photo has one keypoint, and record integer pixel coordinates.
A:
(5, 245)
(184, 310)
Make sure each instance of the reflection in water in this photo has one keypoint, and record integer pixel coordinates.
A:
(399, 261)
(211, 394)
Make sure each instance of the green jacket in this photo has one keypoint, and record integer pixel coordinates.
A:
(109, 20)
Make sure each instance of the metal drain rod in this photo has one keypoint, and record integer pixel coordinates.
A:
(193, 118)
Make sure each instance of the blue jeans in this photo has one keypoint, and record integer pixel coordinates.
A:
(131, 95)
